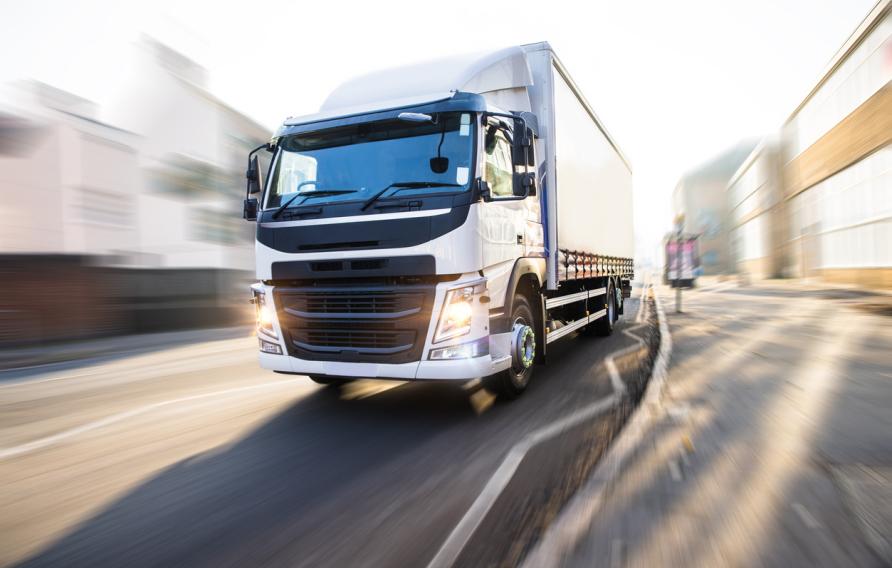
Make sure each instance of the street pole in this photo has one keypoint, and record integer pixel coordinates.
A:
(678, 299)
(678, 273)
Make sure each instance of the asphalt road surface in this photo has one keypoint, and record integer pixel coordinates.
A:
(775, 446)
(195, 456)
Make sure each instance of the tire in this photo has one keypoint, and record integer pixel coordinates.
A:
(604, 326)
(328, 381)
(511, 382)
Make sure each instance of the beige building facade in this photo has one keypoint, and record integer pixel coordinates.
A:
(817, 202)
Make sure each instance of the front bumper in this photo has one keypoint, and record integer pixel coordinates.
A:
(414, 364)
(456, 369)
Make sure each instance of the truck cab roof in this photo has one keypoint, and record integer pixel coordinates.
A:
(427, 82)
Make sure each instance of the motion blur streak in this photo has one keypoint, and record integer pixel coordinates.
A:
(769, 457)
(768, 449)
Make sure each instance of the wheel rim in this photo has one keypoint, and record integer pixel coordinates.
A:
(523, 349)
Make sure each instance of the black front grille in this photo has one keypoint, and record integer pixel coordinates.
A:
(367, 302)
(372, 324)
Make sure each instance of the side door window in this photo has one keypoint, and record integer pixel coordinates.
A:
(499, 170)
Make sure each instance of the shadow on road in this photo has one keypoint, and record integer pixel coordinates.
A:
(377, 481)
(249, 502)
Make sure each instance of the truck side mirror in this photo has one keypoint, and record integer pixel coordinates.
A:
(250, 210)
(253, 176)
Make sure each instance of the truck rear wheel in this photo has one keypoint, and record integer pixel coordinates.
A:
(604, 326)
(511, 382)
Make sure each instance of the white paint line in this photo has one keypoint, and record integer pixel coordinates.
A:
(41, 443)
(461, 534)
(616, 553)
(106, 363)
(619, 387)
(674, 470)
(642, 296)
(807, 518)
(464, 530)
(615, 379)
(575, 519)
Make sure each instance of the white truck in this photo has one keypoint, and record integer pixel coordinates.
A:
(445, 221)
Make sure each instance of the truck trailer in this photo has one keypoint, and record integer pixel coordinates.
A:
(444, 221)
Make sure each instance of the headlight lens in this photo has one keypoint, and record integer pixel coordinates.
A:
(264, 313)
(455, 318)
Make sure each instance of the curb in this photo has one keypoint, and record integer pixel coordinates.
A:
(573, 522)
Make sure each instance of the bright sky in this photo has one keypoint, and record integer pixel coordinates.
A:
(675, 82)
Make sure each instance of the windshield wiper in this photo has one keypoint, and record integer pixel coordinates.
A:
(308, 195)
(405, 185)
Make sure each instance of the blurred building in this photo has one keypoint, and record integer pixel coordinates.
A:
(69, 181)
(818, 202)
(192, 156)
(757, 219)
(123, 219)
(700, 198)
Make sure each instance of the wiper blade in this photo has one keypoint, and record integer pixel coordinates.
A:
(405, 185)
(308, 195)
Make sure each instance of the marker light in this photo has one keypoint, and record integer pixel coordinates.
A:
(268, 347)
(469, 350)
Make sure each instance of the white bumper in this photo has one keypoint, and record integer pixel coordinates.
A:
(456, 370)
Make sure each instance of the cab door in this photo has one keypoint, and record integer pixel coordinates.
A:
(510, 227)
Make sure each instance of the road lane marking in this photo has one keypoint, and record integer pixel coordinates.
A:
(674, 470)
(616, 553)
(615, 380)
(40, 443)
(807, 518)
(108, 363)
(467, 526)
(464, 530)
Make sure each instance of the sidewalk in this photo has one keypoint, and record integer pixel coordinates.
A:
(772, 445)
(19, 360)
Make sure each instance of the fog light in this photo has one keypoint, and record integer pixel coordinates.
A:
(268, 347)
(469, 350)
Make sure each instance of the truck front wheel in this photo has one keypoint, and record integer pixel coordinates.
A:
(511, 382)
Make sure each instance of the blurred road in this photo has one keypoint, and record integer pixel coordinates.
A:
(195, 456)
(774, 448)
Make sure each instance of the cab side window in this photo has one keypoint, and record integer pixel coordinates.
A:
(499, 170)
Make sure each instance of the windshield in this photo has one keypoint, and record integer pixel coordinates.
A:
(368, 157)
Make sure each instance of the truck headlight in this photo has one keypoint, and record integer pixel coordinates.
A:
(455, 317)
(264, 314)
